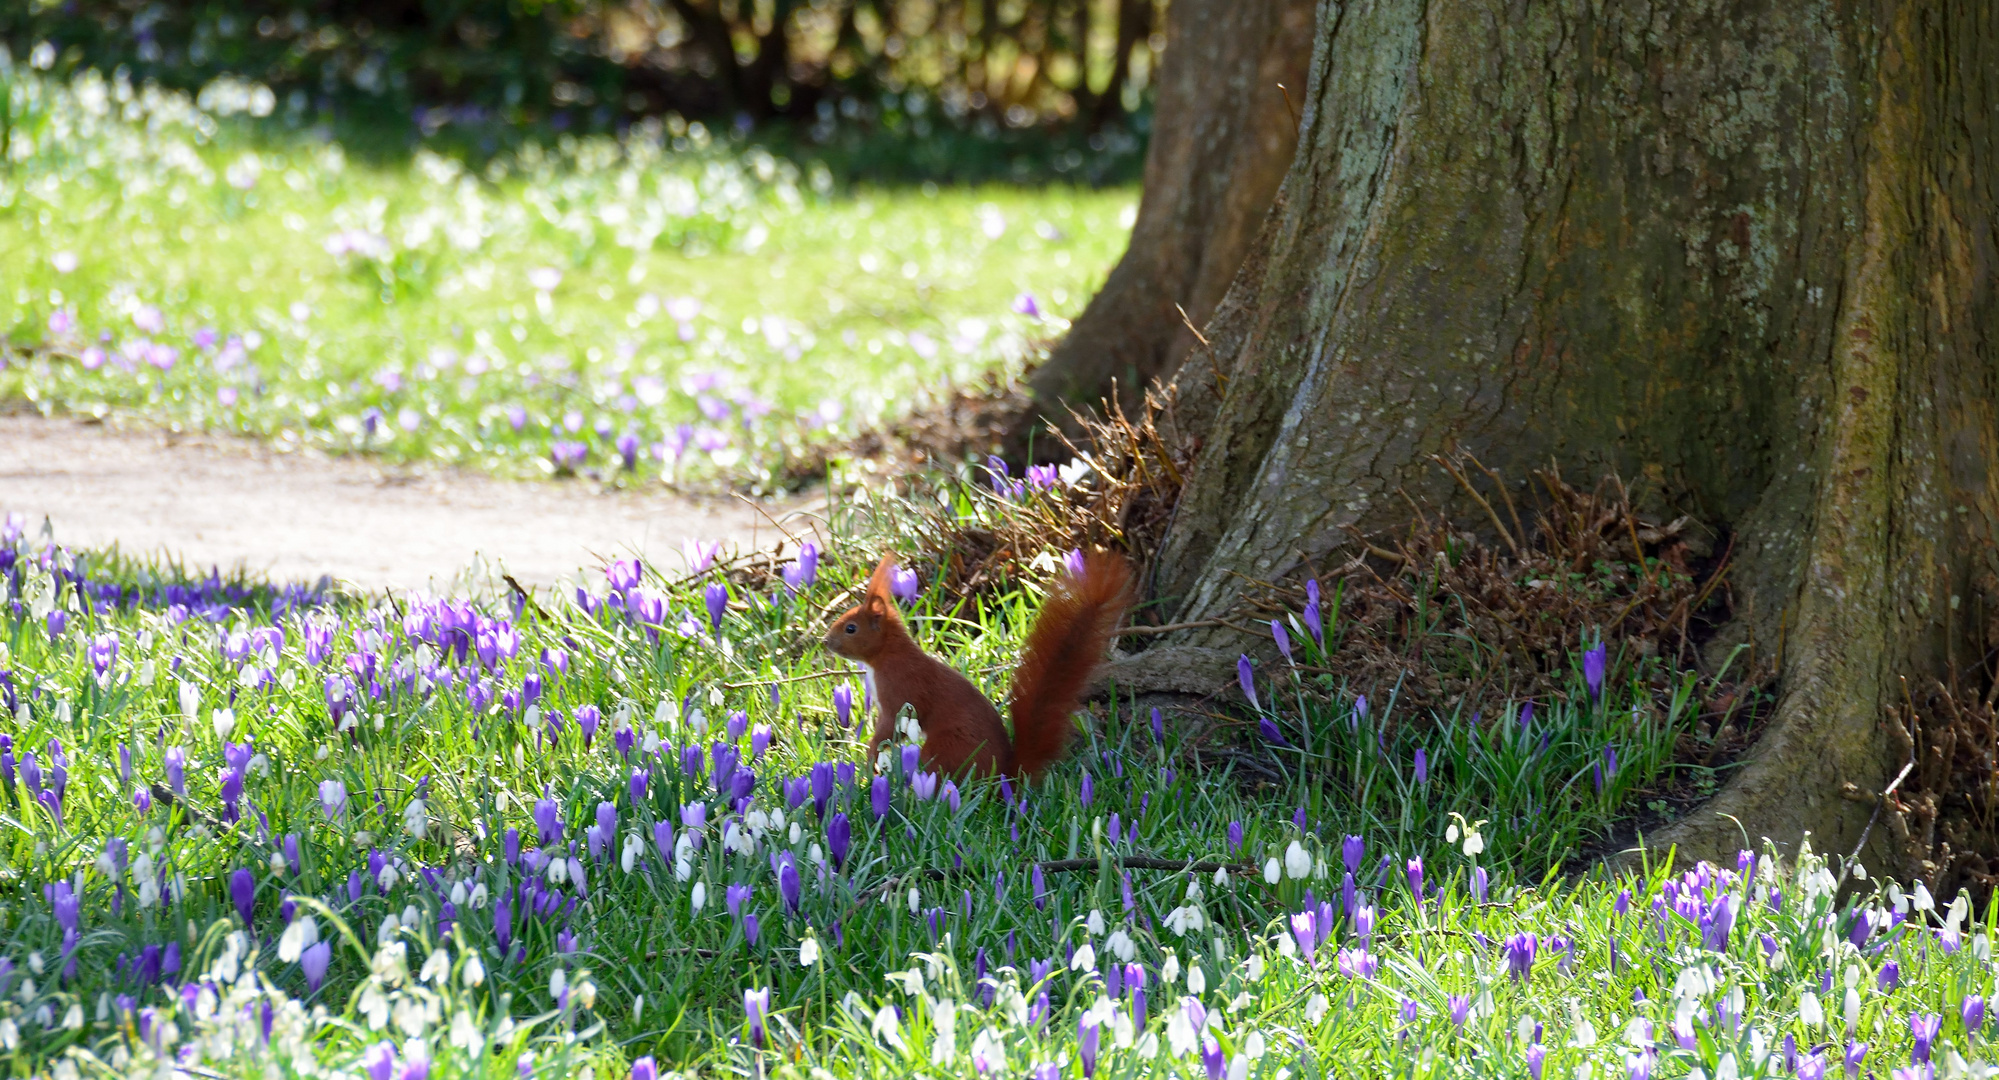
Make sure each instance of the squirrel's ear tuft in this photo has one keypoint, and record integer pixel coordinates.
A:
(880, 585)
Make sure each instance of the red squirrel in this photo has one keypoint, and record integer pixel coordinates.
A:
(962, 730)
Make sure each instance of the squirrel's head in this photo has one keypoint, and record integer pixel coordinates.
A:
(859, 632)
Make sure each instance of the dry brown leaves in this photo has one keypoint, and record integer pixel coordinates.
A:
(1943, 820)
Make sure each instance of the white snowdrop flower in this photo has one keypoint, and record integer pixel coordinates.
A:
(796, 834)
(1897, 899)
(477, 897)
(558, 981)
(629, 858)
(1271, 871)
(1584, 1034)
(1239, 1067)
(699, 897)
(465, 1035)
(301, 934)
(224, 721)
(458, 894)
(1180, 1035)
(1859, 871)
(1122, 1033)
(1286, 948)
(1810, 1012)
(416, 819)
(1852, 1006)
(1474, 843)
(1253, 1046)
(816, 854)
(888, 1028)
(1085, 959)
(435, 966)
(1193, 891)
(1297, 861)
(1315, 1008)
(1252, 969)
(1954, 915)
(1981, 947)
(1727, 1069)
(1148, 1048)
(1100, 1011)
(808, 952)
(387, 932)
(988, 1053)
(1221, 876)
(1922, 898)
(190, 702)
(1169, 972)
(72, 1019)
(1184, 920)
(910, 981)
(276, 862)
(943, 1031)
(915, 900)
(1197, 979)
(558, 871)
(1095, 923)
(474, 971)
(1121, 945)
(388, 877)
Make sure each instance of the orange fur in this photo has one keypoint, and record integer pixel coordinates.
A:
(962, 729)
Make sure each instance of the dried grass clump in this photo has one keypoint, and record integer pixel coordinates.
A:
(977, 530)
(1943, 817)
(1452, 623)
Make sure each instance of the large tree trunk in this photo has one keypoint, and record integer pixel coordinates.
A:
(1223, 135)
(1740, 251)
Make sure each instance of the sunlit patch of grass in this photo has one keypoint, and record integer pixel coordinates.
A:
(697, 307)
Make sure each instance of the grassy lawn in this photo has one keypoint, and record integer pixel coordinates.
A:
(696, 304)
(266, 829)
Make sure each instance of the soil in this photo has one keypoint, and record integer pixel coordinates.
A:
(223, 501)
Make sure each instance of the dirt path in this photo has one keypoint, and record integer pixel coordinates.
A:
(224, 501)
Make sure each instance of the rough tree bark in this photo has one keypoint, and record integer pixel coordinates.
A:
(1223, 135)
(1741, 251)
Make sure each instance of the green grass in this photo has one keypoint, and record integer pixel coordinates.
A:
(931, 901)
(203, 270)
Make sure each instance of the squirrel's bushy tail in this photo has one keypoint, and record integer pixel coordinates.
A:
(1068, 640)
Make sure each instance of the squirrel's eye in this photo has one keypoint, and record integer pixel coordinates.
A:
(852, 629)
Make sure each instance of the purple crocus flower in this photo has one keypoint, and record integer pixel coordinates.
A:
(568, 455)
(1812, 1067)
(1480, 882)
(1416, 878)
(58, 620)
(1459, 1007)
(1212, 1058)
(804, 570)
(1025, 304)
(1085, 792)
(1352, 850)
(1039, 884)
(587, 719)
(1246, 678)
(1087, 1036)
(176, 768)
(548, 822)
(843, 704)
(1283, 639)
(1890, 976)
(1973, 1012)
(243, 892)
(1158, 728)
(1520, 950)
(103, 653)
(628, 451)
(1270, 732)
(1593, 665)
(313, 962)
(1422, 766)
(756, 1006)
(717, 597)
(1856, 1052)
(760, 737)
(1536, 1056)
(904, 585)
(1073, 563)
(788, 886)
(1305, 930)
(662, 841)
(645, 1069)
(839, 835)
(1313, 623)
(878, 796)
(1235, 837)
(1924, 1028)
